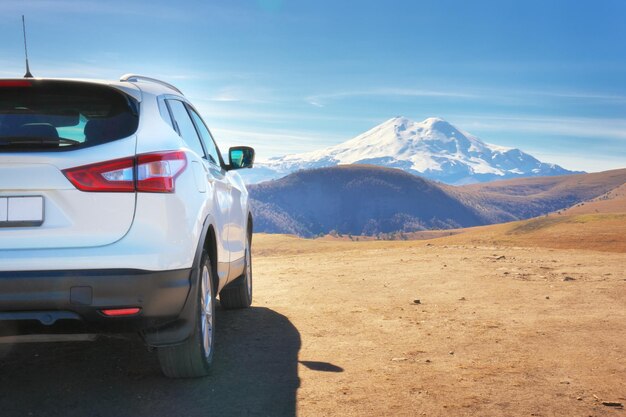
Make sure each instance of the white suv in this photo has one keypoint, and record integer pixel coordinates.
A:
(117, 213)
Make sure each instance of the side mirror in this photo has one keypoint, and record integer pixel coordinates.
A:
(241, 157)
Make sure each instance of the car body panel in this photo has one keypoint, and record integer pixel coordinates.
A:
(72, 218)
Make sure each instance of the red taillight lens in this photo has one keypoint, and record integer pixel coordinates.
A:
(156, 172)
(153, 173)
(118, 312)
(110, 176)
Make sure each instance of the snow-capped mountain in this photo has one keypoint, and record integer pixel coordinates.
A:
(434, 149)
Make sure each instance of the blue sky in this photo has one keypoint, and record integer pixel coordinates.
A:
(287, 76)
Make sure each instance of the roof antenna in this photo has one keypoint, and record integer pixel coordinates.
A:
(28, 74)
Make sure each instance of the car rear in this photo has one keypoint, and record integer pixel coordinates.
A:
(73, 248)
(47, 127)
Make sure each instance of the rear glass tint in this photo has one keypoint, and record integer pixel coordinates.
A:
(60, 115)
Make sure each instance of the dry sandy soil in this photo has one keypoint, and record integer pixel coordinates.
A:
(508, 323)
(498, 331)
(519, 319)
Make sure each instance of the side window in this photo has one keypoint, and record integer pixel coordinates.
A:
(76, 132)
(185, 127)
(165, 113)
(209, 144)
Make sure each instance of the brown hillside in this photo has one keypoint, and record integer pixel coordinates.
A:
(540, 185)
(530, 197)
(612, 202)
(601, 232)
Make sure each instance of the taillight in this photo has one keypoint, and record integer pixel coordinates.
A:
(110, 176)
(153, 172)
(156, 172)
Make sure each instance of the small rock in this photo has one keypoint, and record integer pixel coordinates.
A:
(417, 301)
(500, 257)
(427, 361)
(579, 398)
(398, 359)
(462, 299)
(613, 404)
(506, 273)
(569, 279)
(451, 352)
(547, 297)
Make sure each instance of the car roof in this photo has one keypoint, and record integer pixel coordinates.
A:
(134, 85)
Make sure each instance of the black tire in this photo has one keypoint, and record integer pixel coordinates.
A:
(193, 357)
(238, 294)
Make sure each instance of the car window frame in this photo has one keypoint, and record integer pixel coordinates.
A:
(190, 108)
(177, 128)
(164, 108)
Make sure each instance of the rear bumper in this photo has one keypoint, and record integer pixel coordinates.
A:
(51, 301)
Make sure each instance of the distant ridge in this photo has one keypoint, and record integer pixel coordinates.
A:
(357, 199)
(433, 149)
(368, 200)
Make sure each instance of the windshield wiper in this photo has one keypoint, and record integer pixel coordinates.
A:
(35, 140)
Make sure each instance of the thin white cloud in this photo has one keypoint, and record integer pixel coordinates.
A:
(269, 143)
(320, 100)
(581, 127)
(257, 95)
(578, 162)
(93, 67)
(496, 96)
(574, 94)
(216, 111)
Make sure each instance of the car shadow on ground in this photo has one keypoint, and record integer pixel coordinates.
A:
(255, 373)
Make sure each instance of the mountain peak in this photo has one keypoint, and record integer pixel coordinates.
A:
(433, 120)
(440, 125)
(405, 120)
(433, 148)
(431, 123)
(397, 121)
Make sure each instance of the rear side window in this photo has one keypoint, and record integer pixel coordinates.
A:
(211, 148)
(38, 115)
(185, 126)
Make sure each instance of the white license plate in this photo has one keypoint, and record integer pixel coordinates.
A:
(21, 211)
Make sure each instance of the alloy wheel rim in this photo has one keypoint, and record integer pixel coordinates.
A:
(206, 311)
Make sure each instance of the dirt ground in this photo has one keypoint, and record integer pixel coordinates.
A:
(498, 331)
(379, 328)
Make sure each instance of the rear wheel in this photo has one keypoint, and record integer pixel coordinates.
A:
(238, 294)
(193, 357)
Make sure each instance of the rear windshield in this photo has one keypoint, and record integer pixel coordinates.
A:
(38, 115)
